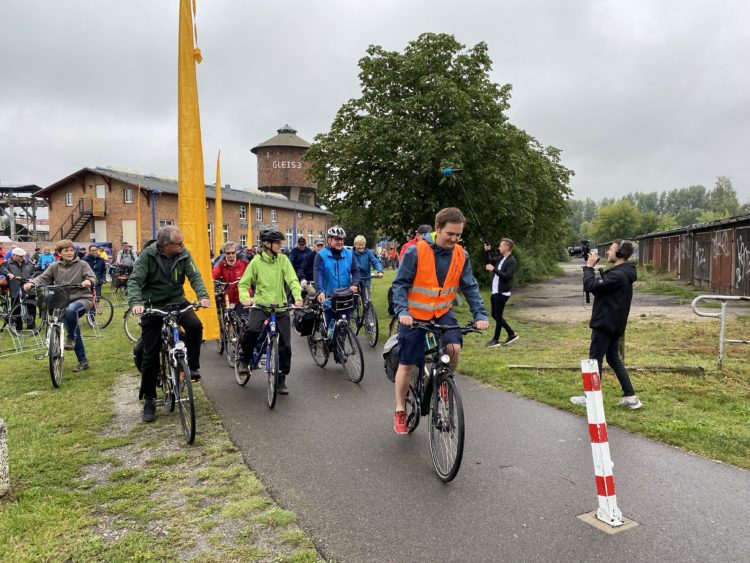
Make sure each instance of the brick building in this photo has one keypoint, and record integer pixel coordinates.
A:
(100, 204)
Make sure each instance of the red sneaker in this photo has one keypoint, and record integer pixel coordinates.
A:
(399, 423)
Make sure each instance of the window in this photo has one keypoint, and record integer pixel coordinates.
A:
(309, 216)
(69, 199)
(167, 223)
(211, 237)
(289, 237)
(243, 212)
(206, 204)
(225, 233)
(299, 214)
(274, 216)
(320, 234)
(128, 195)
(243, 240)
(258, 213)
(300, 234)
(309, 238)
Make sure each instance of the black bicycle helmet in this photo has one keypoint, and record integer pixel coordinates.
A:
(270, 235)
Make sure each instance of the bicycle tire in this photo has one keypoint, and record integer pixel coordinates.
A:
(222, 332)
(132, 325)
(16, 316)
(393, 327)
(350, 353)
(371, 325)
(102, 316)
(272, 370)
(167, 384)
(412, 409)
(56, 353)
(231, 341)
(446, 428)
(317, 344)
(184, 398)
(241, 378)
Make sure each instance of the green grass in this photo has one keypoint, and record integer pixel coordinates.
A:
(706, 414)
(85, 489)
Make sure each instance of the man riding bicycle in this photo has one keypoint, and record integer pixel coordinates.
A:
(17, 269)
(158, 281)
(425, 287)
(268, 273)
(334, 268)
(70, 270)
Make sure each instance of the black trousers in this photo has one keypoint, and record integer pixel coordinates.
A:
(151, 334)
(498, 300)
(255, 327)
(605, 344)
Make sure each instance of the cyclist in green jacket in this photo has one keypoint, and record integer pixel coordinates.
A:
(267, 274)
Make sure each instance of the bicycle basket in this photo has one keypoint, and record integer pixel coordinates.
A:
(57, 298)
(304, 322)
(342, 299)
(390, 357)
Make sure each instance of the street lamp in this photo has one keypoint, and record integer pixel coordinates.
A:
(153, 212)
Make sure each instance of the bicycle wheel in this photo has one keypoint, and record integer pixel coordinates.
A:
(100, 316)
(371, 325)
(350, 353)
(272, 370)
(167, 384)
(393, 327)
(446, 428)
(132, 325)
(21, 321)
(317, 344)
(412, 409)
(184, 398)
(55, 353)
(231, 341)
(242, 378)
(222, 333)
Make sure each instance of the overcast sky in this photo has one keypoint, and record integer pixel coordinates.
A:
(640, 95)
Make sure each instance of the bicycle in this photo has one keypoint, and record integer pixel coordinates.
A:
(20, 317)
(365, 315)
(434, 391)
(132, 325)
(101, 313)
(174, 372)
(118, 279)
(342, 342)
(228, 323)
(266, 350)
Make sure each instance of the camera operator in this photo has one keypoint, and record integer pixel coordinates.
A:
(585, 249)
(613, 293)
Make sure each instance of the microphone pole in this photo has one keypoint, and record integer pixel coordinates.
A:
(456, 172)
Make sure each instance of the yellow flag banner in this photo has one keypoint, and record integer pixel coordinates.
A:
(138, 221)
(219, 222)
(249, 242)
(191, 187)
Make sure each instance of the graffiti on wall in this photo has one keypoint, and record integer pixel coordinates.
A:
(700, 262)
(720, 244)
(743, 262)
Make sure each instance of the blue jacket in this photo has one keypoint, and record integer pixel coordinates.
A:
(408, 269)
(335, 270)
(98, 265)
(306, 270)
(297, 256)
(45, 259)
(366, 260)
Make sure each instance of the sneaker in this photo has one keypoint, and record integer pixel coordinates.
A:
(70, 344)
(242, 367)
(82, 366)
(510, 340)
(579, 400)
(399, 423)
(195, 374)
(631, 403)
(492, 343)
(149, 410)
(283, 389)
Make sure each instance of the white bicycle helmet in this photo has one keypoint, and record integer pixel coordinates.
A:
(337, 232)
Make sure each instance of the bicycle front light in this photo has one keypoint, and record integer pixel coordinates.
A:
(445, 358)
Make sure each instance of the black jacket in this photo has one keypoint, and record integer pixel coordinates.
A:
(505, 274)
(612, 293)
(23, 272)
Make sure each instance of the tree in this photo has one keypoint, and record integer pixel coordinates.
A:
(722, 200)
(619, 220)
(429, 108)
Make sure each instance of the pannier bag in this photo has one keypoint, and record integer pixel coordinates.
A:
(304, 322)
(342, 299)
(390, 357)
(391, 310)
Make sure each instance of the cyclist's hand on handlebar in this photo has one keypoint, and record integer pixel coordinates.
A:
(379, 275)
(86, 283)
(482, 325)
(247, 302)
(321, 297)
(27, 286)
(354, 288)
(138, 309)
(205, 303)
(298, 303)
(406, 320)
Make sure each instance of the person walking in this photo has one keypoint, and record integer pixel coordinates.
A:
(613, 293)
(298, 253)
(502, 269)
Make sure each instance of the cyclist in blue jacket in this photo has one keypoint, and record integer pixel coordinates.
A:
(366, 261)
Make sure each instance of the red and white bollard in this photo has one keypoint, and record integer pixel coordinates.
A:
(605, 481)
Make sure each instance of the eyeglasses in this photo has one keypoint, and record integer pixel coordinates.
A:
(181, 243)
(229, 253)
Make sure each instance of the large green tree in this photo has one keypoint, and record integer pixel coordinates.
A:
(619, 220)
(432, 107)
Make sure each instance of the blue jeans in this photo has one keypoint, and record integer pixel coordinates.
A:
(73, 311)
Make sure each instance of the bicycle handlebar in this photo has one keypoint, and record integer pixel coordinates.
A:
(162, 313)
(433, 326)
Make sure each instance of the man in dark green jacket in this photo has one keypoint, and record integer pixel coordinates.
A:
(157, 281)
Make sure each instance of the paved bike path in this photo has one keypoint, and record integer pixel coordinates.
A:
(329, 453)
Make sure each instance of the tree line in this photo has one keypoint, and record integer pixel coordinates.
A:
(640, 213)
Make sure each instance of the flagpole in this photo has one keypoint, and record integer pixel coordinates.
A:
(219, 215)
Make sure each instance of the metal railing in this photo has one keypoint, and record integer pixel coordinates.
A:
(721, 315)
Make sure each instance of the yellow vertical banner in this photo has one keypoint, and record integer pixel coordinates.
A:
(138, 221)
(249, 242)
(219, 221)
(191, 186)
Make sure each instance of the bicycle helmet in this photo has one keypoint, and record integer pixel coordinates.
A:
(270, 235)
(337, 232)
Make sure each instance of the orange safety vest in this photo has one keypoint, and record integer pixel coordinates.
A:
(426, 299)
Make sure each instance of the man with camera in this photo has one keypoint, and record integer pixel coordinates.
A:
(613, 293)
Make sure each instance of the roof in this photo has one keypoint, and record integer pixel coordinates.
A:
(31, 188)
(698, 226)
(167, 184)
(286, 138)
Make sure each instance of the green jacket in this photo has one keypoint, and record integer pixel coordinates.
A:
(152, 285)
(268, 274)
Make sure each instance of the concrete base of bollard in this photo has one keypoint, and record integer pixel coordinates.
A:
(4, 472)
